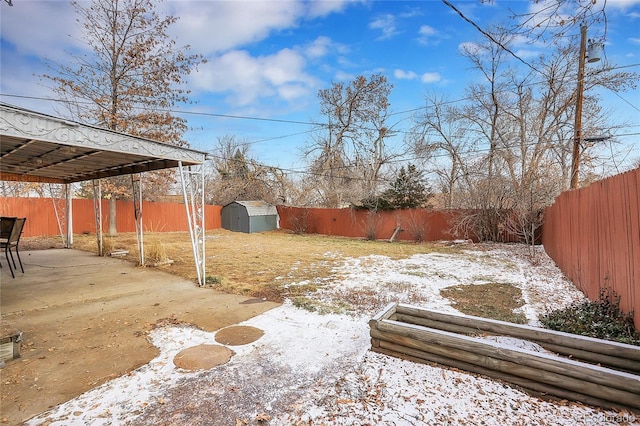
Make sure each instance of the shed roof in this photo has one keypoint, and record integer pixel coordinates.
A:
(36, 147)
(258, 208)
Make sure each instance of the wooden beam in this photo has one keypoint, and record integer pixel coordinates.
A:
(589, 356)
(527, 332)
(533, 387)
(15, 177)
(597, 382)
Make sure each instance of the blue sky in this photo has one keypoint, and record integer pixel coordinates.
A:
(267, 60)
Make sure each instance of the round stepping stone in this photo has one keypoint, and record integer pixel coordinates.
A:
(238, 335)
(202, 357)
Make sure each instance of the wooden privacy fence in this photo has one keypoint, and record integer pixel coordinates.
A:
(592, 371)
(416, 224)
(593, 235)
(157, 217)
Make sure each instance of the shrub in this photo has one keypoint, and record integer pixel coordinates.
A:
(299, 221)
(601, 319)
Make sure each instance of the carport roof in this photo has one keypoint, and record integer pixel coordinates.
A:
(36, 147)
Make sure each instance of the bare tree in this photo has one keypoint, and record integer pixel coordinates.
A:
(237, 176)
(351, 148)
(523, 129)
(21, 189)
(440, 136)
(552, 20)
(131, 78)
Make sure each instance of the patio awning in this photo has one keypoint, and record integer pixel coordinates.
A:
(36, 147)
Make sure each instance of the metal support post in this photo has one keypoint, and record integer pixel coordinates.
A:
(192, 180)
(59, 194)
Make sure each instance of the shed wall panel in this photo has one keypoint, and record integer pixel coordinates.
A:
(263, 223)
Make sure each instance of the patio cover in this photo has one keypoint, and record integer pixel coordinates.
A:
(36, 147)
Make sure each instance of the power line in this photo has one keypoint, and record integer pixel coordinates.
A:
(490, 37)
(310, 123)
(475, 151)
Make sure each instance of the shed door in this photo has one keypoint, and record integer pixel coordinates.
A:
(238, 218)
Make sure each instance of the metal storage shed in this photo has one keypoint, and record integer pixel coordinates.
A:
(249, 216)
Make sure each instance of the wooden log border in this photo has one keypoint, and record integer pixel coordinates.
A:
(598, 372)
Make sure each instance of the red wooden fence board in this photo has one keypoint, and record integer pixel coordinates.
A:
(593, 235)
(157, 217)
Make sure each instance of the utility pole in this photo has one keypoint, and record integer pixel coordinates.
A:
(577, 135)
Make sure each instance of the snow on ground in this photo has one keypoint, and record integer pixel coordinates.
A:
(315, 369)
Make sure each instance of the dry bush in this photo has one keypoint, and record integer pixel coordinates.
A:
(107, 246)
(299, 221)
(371, 225)
(416, 226)
(155, 252)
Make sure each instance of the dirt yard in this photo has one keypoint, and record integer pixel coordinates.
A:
(79, 338)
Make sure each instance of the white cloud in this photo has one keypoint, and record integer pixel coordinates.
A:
(319, 47)
(344, 76)
(428, 35)
(634, 40)
(427, 30)
(527, 53)
(386, 24)
(622, 4)
(40, 28)
(431, 77)
(246, 79)
(216, 26)
(405, 75)
(322, 8)
(428, 77)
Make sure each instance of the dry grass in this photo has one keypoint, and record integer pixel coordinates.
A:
(262, 265)
(493, 300)
(255, 264)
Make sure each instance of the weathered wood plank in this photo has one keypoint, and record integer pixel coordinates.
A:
(439, 325)
(585, 372)
(590, 356)
(603, 360)
(552, 379)
(388, 312)
(584, 343)
(533, 387)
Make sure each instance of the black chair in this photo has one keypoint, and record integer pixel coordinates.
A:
(6, 226)
(10, 239)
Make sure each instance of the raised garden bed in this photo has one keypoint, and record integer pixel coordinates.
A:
(577, 368)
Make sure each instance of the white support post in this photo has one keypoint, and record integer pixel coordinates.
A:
(59, 194)
(69, 215)
(136, 186)
(97, 211)
(193, 193)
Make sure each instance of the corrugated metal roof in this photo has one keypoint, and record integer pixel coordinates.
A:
(36, 147)
(258, 208)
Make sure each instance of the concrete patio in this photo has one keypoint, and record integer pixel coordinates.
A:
(85, 318)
